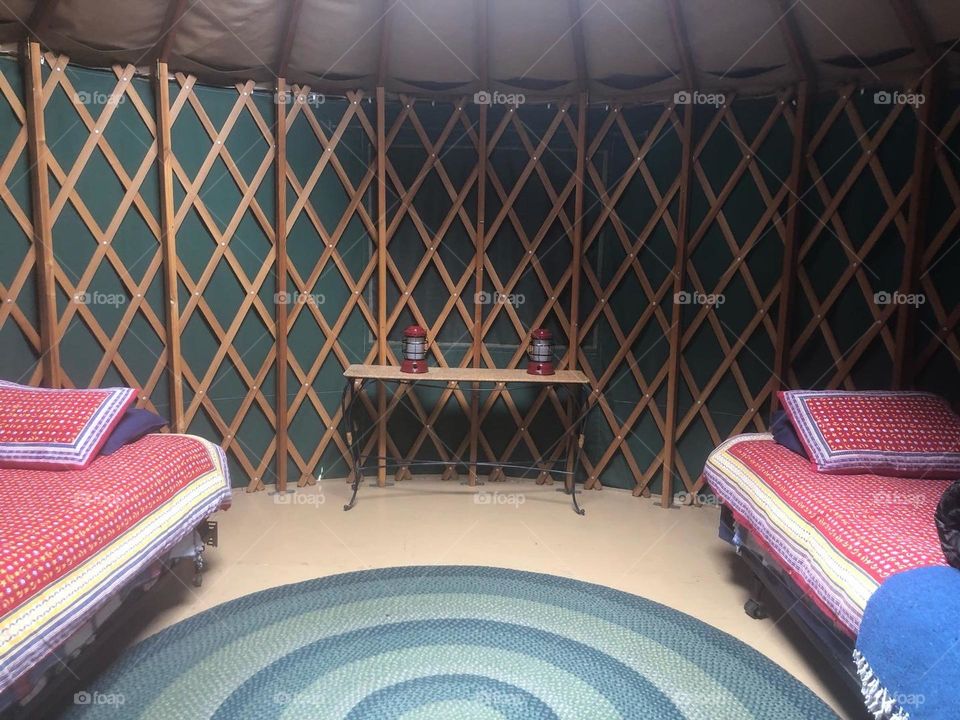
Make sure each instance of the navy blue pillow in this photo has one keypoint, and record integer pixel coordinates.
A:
(948, 523)
(783, 434)
(134, 424)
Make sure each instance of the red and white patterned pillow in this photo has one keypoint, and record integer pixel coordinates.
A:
(899, 434)
(48, 429)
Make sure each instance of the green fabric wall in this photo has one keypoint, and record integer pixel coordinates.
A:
(305, 247)
(98, 193)
(251, 246)
(19, 341)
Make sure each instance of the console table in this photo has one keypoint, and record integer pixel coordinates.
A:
(357, 376)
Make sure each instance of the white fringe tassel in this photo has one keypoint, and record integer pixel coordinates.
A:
(881, 703)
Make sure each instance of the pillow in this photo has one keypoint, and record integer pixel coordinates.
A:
(135, 423)
(899, 434)
(784, 434)
(47, 429)
(948, 524)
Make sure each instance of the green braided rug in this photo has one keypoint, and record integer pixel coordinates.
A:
(444, 643)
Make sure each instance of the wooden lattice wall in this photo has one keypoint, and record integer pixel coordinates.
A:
(255, 244)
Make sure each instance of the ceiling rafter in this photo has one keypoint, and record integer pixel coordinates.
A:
(579, 46)
(916, 30)
(164, 43)
(793, 38)
(678, 26)
(483, 44)
(40, 18)
(384, 52)
(288, 35)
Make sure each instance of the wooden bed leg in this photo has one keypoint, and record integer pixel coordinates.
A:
(755, 607)
(198, 565)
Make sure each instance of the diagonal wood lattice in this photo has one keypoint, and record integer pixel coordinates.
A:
(549, 204)
(427, 258)
(728, 324)
(533, 273)
(838, 272)
(222, 233)
(937, 350)
(323, 247)
(102, 271)
(641, 281)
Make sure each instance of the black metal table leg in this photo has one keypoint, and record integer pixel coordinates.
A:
(350, 394)
(581, 416)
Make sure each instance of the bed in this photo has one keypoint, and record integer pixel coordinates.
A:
(837, 537)
(74, 541)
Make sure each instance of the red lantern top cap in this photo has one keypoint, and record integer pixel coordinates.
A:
(414, 331)
(541, 334)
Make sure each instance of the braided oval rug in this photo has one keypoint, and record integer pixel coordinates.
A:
(443, 643)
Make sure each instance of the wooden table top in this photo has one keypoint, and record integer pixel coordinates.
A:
(457, 374)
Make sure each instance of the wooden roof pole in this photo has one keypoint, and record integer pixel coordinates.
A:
(792, 37)
(164, 43)
(916, 30)
(689, 77)
(287, 37)
(579, 46)
(383, 54)
(40, 18)
(44, 261)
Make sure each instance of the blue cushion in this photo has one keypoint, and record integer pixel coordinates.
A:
(135, 423)
(785, 434)
(908, 649)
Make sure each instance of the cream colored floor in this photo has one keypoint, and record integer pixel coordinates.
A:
(671, 556)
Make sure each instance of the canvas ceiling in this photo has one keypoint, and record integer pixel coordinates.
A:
(528, 46)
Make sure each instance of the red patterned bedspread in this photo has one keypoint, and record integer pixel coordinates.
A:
(52, 522)
(840, 536)
(69, 539)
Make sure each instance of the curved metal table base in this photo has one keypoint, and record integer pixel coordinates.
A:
(574, 435)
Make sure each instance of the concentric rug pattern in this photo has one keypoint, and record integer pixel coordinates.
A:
(432, 643)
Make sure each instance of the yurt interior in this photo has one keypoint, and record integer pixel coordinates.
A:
(480, 359)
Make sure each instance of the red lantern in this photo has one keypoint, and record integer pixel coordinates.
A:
(540, 353)
(414, 350)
